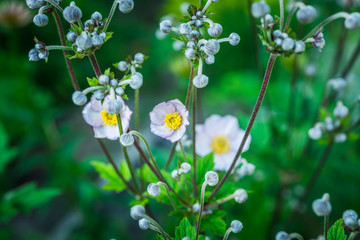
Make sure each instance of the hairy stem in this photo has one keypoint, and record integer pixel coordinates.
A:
(194, 143)
(202, 198)
(281, 3)
(63, 42)
(111, 14)
(95, 64)
(254, 114)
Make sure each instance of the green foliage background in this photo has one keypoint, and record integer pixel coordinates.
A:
(48, 186)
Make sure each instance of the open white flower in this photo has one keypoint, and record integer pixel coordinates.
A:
(222, 136)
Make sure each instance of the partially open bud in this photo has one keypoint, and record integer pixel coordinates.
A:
(84, 41)
(349, 218)
(212, 178)
(299, 47)
(184, 29)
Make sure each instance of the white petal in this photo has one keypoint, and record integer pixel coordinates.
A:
(229, 125)
(235, 142)
(92, 117)
(202, 141)
(161, 130)
(178, 134)
(157, 115)
(108, 131)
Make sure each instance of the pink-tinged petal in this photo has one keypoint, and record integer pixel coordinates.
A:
(213, 125)
(107, 131)
(157, 115)
(203, 141)
(161, 130)
(236, 141)
(92, 117)
(96, 105)
(224, 161)
(179, 106)
(178, 134)
(184, 117)
(125, 117)
(230, 126)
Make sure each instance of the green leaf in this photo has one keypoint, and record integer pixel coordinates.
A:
(185, 229)
(192, 10)
(7, 154)
(25, 198)
(336, 232)
(214, 223)
(107, 172)
(203, 165)
(159, 237)
(92, 81)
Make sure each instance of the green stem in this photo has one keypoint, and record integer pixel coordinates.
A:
(281, 2)
(127, 159)
(137, 128)
(194, 143)
(59, 48)
(202, 197)
(326, 218)
(153, 222)
(183, 151)
(291, 13)
(325, 22)
(111, 14)
(353, 235)
(171, 199)
(254, 114)
(221, 201)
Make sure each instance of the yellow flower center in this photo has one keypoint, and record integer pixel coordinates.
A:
(173, 120)
(109, 119)
(220, 144)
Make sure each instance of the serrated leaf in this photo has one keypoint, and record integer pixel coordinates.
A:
(214, 223)
(185, 229)
(336, 232)
(192, 10)
(92, 81)
(107, 172)
(159, 237)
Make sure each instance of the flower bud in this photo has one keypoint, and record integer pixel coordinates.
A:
(185, 167)
(96, 16)
(122, 66)
(201, 81)
(84, 41)
(99, 95)
(190, 53)
(322, 207)
(196, 207)
(97, 41)
(79, 98)
(340, 137)
(210, 59)
(340, 110)
(190, 44)
(119, 91)
(198, 23)
(352, 21)
(215, 30)
(40, 20)
(234, 39)
(114, 83)
(184, 29)
(199, 14)
(103, 79)
(136, 81)
(144, 224)
(259, 9)
(337, 83)
(165, 26)
(282, 236)
(175, 174)
(212, 178)
(153, 189)
(126, 6)
(246, 169)
(299, 47)
(276, 33)
(139, 58)
(113, 106)
(240, 195)
(71, 37)
(349, 218)
(310, 70)
(212, 47)
(278, 41)
(315, 133)
(137, 212)
(268, 20)
(34, 4)
(306, 14)
(288, 44)
(236, 226)
(72, 13)
(127, 139)
(33, 55)
(194, 34)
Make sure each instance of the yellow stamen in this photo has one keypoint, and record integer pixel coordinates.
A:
(109, 119)
(173, 120)
(220, 144)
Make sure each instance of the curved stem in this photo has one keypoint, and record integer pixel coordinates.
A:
(310, 184)
(194, 142)
(53, 3)
(153, 222)
(221, 201)
(91, 89)
(325, 22)
(226, 236)
(111, 14)
(126, 156)
(295, 235)
(187, 102)
(171, 199)
(63, 42)
(202, 196)
(291, 13)
(254, 114)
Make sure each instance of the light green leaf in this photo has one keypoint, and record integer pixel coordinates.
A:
(336, 232)
(107, 172)
(214, 223)
(92, 81)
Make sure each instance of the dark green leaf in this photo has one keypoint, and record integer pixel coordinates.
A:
(336, 232)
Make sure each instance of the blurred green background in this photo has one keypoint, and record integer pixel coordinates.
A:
(49, 190)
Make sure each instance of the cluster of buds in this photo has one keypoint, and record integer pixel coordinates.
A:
(351, 221)
(39, 52)
(40, 19)
(333, 127)
(108, 84)
(184, 168)
(191, 34)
